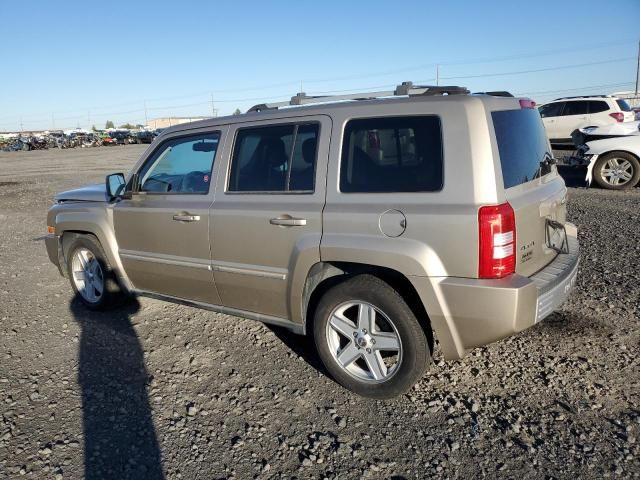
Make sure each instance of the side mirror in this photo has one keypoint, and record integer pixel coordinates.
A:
(115, 184)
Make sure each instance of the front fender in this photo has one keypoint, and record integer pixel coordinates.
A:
(94, 219)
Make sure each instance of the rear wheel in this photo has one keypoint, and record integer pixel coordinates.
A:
(369, 339)
(91, 275)
(617, 171)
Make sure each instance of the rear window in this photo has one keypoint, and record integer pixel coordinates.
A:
(522, 145)
(624, 106)
(392, 154)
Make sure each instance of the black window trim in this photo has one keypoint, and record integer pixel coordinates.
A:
(293, 146)
(134, 189)
(575, 101)
(394, 115)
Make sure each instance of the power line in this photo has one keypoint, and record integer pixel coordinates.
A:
(608, 85)
(366, 75)
(549, 69)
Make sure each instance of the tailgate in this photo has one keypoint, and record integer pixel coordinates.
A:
(540, 212)
(532, 186)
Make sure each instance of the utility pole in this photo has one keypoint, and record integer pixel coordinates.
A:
(637, 70)
(437, 74)
(213, 108)
(145, 113)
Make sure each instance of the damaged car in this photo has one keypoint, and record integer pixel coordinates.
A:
(611, 154)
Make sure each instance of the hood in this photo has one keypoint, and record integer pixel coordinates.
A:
(88, 193)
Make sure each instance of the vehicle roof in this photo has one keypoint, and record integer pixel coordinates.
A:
(494, 102)
(585, 97)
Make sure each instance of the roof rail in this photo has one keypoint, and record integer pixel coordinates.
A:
(583, 96)
(404, 89)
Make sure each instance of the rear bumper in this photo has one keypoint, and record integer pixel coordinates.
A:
(471, 312)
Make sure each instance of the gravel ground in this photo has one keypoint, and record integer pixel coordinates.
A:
(159, 389)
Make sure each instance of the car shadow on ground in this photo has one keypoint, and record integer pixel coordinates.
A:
(301, 345)
(119, 436)
(573, 176)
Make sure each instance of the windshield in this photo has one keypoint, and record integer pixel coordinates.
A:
(522, 145)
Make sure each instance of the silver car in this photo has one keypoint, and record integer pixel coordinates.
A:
(378, 224)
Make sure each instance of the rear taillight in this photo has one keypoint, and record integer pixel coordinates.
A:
(527, 103)
(619, 116)
(497, 226)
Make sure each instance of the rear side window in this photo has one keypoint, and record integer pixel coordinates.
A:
(624, 106)
(578, 107)
(279, 158)
(392, 154)
(597, 106)
(522, 145)
(551, 109)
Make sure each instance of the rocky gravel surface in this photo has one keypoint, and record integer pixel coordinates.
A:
(157, 389)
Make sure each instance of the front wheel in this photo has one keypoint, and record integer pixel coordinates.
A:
(91, 275)
(369, 339)
(617, 171)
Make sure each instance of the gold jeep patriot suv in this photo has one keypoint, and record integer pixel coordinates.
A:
(377, 222)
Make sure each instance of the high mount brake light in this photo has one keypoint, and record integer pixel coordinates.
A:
(527, 103)
(497, 241)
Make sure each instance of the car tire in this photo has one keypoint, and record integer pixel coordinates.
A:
(617, 171)
(366, 360)
(91, 275)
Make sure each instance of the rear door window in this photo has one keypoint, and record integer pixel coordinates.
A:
(522, 145)
(392, 154)
(278, 158)
(577, 107)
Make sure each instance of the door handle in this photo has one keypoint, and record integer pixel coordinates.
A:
(186, 217)
(288, 221)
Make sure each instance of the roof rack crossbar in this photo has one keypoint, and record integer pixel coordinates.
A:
(404, 89)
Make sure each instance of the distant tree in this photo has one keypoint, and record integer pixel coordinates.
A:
(237, 111)
(139, 125)
(128, 126)
(93, 127)
(109, 124)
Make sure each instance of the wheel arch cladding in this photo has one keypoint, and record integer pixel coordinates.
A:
(324, 275)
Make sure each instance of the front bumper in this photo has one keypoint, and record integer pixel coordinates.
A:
(54, 250)
(472, 312)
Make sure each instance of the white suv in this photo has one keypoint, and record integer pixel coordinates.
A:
(564, 116)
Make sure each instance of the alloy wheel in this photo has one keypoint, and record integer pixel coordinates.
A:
(88, 277)
(364, 342)
(617, 171)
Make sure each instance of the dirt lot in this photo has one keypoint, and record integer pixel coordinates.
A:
(158, 389)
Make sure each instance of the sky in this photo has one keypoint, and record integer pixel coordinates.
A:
(69, 64)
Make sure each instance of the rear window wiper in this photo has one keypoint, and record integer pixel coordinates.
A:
(548, 160)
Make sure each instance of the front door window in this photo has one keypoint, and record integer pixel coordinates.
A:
(181, 166)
